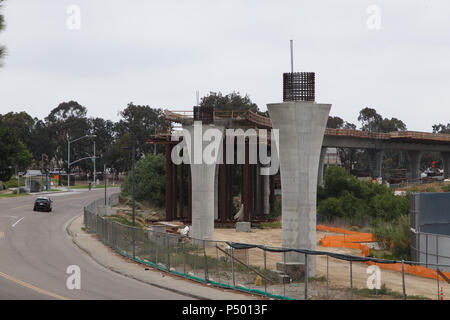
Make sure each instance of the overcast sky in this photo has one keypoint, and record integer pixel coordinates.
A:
(159, 53)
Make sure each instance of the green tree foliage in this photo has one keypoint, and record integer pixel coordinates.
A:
(21, 123)
(230, 102)
(104, 130)
(374, 122)
(138, 124)
(370, 119)
(395, 236)
(441, 128)
(345, 196)
(150, 180)
(13, 153)
(391, 125)
(68, 121)
(335, 122)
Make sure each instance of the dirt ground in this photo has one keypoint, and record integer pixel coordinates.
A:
(338, 270)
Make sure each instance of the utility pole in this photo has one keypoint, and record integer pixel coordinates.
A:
(292, 56)
(68, 163)
(104, 179)
(133, 152)
(95, 176)
(18, 179)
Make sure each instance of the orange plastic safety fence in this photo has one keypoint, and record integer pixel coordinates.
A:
(420, 271)
(353, 239)
(335, 230)
(350, 239)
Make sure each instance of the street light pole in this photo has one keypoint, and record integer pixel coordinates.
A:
(68, 163)
(68, 155)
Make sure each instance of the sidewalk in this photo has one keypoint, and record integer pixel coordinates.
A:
(110, 259)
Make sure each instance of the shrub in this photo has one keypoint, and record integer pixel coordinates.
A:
(330, 207)
(150, 182)
(395, 236)
(345, 196)
(276, 211)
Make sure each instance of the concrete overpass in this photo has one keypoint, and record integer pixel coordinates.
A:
(412, 142)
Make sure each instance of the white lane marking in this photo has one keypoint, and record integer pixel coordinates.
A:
(15, 223)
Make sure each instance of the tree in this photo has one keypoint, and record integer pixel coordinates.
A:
(390, 125)
(42, 142)
(68, 121)
(150, 180)
(2, 26)
(21, 123)
(335, 123)
(230, 102)
(441, 128)
(139, 123)
(370, 119)
(345, 154)
(104, 130)
(13, 154)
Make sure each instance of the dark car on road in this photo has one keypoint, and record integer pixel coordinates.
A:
(42, 204)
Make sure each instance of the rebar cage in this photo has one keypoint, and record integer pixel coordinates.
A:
(299, 86)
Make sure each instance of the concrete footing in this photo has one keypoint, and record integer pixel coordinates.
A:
(243, 226)
(294, 270)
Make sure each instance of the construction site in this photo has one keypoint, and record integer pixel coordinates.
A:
(228, 239)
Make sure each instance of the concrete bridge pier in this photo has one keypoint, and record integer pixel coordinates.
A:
(320, 178)
(446, 164)
(301, 126)
(375, 162)
(216, 193)
(266, 194)
(414, 157)
(204, 190)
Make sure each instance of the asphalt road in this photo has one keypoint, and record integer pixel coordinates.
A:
(35, 252)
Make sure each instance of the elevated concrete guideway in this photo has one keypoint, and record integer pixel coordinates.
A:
(413, 142)
(339, 138)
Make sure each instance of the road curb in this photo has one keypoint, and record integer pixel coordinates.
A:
(73, 236)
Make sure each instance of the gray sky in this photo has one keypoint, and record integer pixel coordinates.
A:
(159, 53)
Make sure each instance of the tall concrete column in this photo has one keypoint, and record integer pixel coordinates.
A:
(203, 179)
(375, 162)
(216, 193)
(266, 194)
(323, 152)
(446, 164)
(414, 157)
(301, 126)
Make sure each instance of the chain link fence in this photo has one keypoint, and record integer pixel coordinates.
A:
(264, 270)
